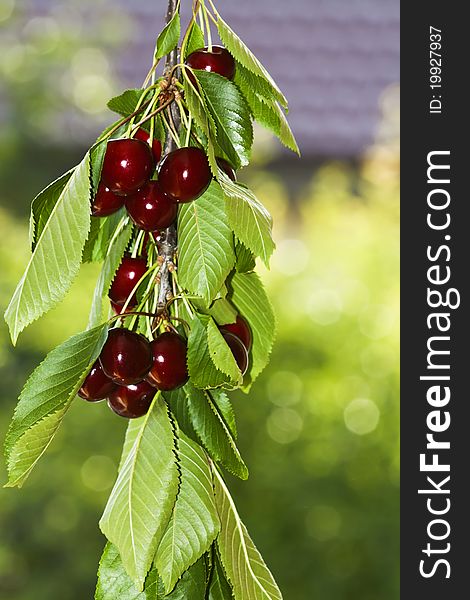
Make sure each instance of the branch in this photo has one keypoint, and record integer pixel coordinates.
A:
(168, 245)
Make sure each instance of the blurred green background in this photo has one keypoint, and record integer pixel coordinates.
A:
(319, 430)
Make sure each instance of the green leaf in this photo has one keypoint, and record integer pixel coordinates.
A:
(194, 523)
(46, 398)
(96, 164)
(231, 114)
(222, 312)
(201, 368)
(213, 432)
(116, 249)
(245, 260)
(43, 205)
(243, 55)
(115, 584)
(57, 256)
(195, 40)
(142, 500)
(168, 38)
(206, 253)
(221, 354)
(102, 231)
(125, 103)
(225, 408)
(242, 562)
(248, 218)
(219, 587)
(265, 110)
(249, 296)
(179, 408)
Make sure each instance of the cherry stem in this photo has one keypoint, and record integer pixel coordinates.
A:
(153, 114)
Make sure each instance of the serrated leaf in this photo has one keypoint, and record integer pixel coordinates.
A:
(245, 261)
(142, 500)
(213, 432)
(206, 253)
(116, 249)
(57, 256)
(249, 296)
(219, 587)
(43, 205)
(225, 408)
(194, 523)
(115, 584)
(195, 40)
(46, 398)
(201, 368)
(97, 154)
(221, 354)
(125, 103)
(242, 562)
(248, 218)
(102, 231)
(231, 115)
(248, 81)
(266, 110)
(243, 55)
(168, 38)
(179, 409)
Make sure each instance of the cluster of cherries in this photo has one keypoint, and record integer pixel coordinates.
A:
(130, 369)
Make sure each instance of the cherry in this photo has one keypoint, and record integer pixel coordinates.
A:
(131, 401)
(127, 166)
(126, 357)
(227, 168)
(151, 209)
(144, 136)
(169, 370)
(238, 348)
(218, 60)
(240, 329)
(185, 174)
(97, 386)
(105, 202)
(128, 274)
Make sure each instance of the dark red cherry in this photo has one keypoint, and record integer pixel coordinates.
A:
(118, 307)
(130, 271)
(218, 60)
(151, 209)
(105, 202)
(169, 370)
(127, 166)
(185, 174)
(227, 168)
(126, 357)
(131, 401)
(144, 136)
(240, 329)
(97, 386)
(238, 348)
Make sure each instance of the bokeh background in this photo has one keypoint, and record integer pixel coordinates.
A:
(319, 431)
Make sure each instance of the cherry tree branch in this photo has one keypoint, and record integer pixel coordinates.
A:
(169, 243)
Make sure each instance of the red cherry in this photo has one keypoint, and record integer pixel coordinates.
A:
(151, 209)
(144, 136)
(118, 308)
(227, 168)
(105, 202)
(127, 166)
(131, 401)
(240, 329)
(130, 271)
(126, 357)
(97, 386)
(218, 60)
(169, 370)
(185, 174)
(238, 348)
